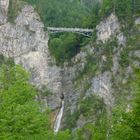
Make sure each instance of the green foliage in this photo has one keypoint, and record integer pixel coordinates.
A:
(126, 121)
(15, 7)
(64, 47)
(60, 13)
(20, 115)
(64, 135)
(93, 107)
(132, 44)
(124, 59)
(1, 59)
(124, 12)
(67, 13)
(92, 132)
(71, 119)
(105, 53)
(93, 17)
(90, 106)
(134, 41)
(90, 68)
(136, 7)
(95, 63)
(7, 61)
(123, 9)
(106, 8)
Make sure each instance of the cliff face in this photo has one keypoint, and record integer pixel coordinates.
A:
(27, 43)
(3, 11)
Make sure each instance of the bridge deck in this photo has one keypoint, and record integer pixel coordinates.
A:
(61, 29)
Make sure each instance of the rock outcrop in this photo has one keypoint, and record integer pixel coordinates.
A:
(108, 28)
(27, 43)
(4, 4)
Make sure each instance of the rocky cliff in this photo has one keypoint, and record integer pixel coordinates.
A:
(4, 4)
(27, 43)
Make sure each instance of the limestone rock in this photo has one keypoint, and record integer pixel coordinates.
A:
(137, 53)
(4, 4)
(101, 85)
(121, 39)
(107, 28)
(137, 21)
(27, 43)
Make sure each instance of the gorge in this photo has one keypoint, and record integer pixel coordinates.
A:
(98, 81)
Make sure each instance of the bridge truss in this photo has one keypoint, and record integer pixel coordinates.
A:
(81, 31)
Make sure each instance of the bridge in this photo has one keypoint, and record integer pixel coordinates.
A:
(82, 31)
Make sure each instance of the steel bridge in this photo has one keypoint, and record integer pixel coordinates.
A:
(82, 31)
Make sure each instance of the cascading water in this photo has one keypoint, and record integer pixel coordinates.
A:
(59, 117)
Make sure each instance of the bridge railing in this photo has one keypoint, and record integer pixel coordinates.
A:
(69, 29)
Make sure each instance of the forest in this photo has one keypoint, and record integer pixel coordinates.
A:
(76, 13)
(21, 115)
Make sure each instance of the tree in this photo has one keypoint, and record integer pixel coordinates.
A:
(20, 114)
(64, 46)
(126, 124)
(21, 117)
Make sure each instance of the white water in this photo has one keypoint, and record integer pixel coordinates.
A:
(58, 119)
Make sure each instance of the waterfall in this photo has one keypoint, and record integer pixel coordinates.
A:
(59, 117)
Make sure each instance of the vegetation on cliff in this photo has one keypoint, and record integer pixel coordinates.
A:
(21, 116)
(76, 13)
